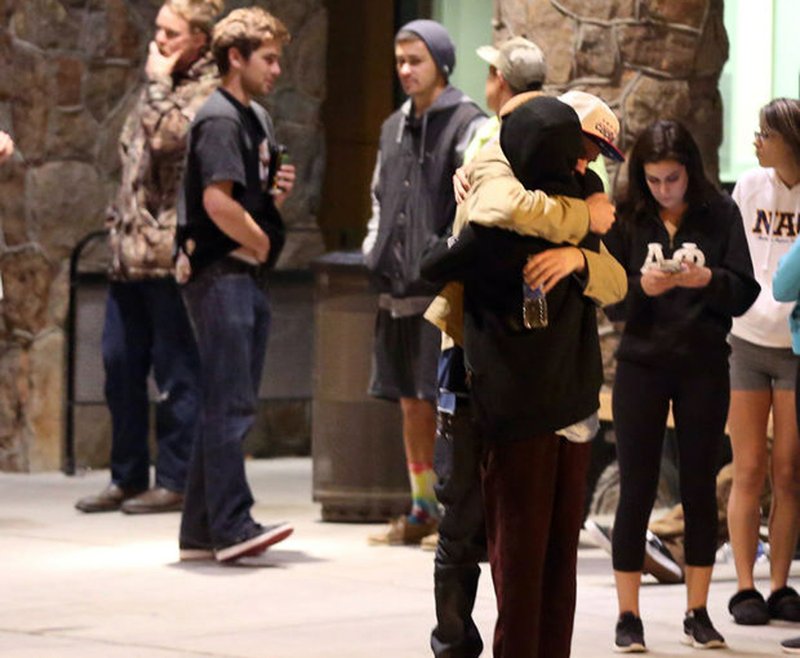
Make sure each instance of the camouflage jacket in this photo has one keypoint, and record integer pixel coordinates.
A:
(142, 219)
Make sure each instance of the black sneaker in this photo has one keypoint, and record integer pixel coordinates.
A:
(256, 541)
(791, 645)
(629, 634)
(699, 632)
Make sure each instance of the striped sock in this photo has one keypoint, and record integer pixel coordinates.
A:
(424, 505)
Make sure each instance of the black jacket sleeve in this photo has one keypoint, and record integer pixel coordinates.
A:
(450, 260)
(733, 288)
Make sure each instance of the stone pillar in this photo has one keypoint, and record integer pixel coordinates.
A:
(69, 73)
(648, 59)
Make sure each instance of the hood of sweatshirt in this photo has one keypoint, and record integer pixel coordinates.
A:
(542, 141)
(770, 212)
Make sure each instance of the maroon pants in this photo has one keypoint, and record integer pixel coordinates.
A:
(534, 494)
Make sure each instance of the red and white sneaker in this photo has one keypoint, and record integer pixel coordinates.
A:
(257, 540)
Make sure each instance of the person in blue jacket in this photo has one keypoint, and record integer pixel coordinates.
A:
(786, 288)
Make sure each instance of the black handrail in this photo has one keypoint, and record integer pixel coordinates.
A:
(74, 279)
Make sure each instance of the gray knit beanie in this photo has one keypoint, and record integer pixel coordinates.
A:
(438, 42)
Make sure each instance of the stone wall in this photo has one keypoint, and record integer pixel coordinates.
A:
(648, 59)
(69, 72)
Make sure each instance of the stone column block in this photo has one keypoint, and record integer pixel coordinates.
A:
(44, 410)
(597, 52)
(26, 284)
(599, 10)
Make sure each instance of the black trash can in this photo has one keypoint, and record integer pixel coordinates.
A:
(359, 466)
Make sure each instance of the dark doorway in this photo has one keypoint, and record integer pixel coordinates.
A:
(361, 93)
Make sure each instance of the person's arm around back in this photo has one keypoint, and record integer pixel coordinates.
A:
(503, 202)
(606, 281)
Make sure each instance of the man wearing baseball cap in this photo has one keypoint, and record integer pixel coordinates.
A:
(515, 66)
(413, 207)
(519, 61)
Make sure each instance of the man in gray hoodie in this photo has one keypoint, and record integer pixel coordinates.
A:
(421, 145)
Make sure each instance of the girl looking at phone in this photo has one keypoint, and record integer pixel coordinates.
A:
(673, 350)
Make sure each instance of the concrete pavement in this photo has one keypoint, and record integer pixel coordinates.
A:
(110, 586)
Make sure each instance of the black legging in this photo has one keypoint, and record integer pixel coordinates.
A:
(640, 406)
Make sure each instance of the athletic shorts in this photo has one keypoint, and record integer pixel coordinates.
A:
(757, 368)
(405, 357)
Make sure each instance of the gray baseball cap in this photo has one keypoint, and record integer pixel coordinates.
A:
(519, 60)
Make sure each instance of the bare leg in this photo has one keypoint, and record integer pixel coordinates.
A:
(698, 580)
(698, 628)
(747, 423)
(419, 430)
(628, 584)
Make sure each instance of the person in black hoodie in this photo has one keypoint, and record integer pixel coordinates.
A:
(689, 272)
(534, 392)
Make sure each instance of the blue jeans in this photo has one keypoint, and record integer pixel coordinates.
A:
(230, 313)
(146, 326)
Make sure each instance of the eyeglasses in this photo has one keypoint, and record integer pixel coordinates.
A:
(761, 135)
